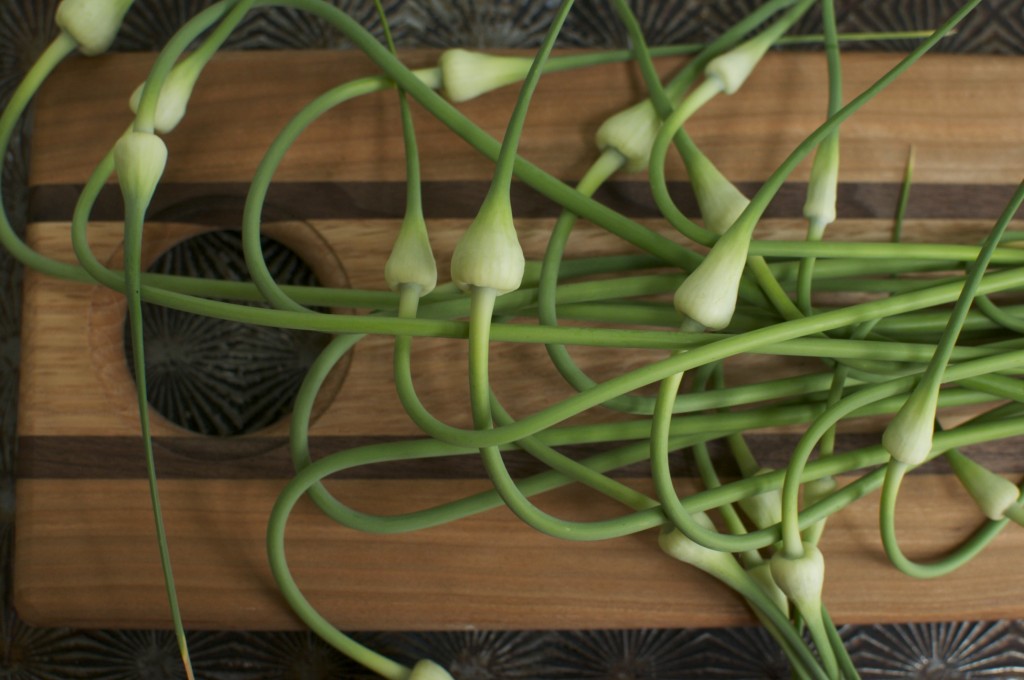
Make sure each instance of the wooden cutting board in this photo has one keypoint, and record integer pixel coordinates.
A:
(85, 553)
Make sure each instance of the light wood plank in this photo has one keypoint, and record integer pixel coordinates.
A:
(85, 553)
(977, 138)
(92, 561)
(60, 380)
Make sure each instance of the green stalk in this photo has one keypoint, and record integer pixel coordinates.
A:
(233, 11)
(816, 227)
(928, 387)
(302, 607)
(948, 562)
(135, 213)
(52, 56)
(857, 400)
(260, 185)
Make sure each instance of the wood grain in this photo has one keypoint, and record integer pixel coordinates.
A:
(487, 571)
(85, 554)
(959, 113)
(59, 383)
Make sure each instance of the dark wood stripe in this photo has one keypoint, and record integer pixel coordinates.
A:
(219, 204)
(235, 458)
(267, 458)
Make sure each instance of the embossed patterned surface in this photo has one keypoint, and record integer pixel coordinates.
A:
(212, 376)
(941, 650)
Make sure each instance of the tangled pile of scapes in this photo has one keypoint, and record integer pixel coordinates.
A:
(732, 300)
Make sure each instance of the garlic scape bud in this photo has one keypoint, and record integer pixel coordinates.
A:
(908, 437)
(92, 24)
(708, 295)
(139, 158)
(719, 200)
(631, 132)
(802, 578)
(764, 509)
(412, 260)
(431, 77)
(425, 669)
(731, 69)
(489, 255)
(814, 491)
(820, 206)
(819, 489)
(993, 494)
(721, 565)
(466, 75)
(761, 574)
(1015, 513)
(173, 97)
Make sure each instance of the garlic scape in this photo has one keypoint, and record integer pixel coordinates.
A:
(174, 95)
(802, 579)
(631, 133)
(761, 574)
(466, 74)
(425, 669)
(139, 158)
(489, 255)
(908, 437)
(412, 261)
(731, 69)
(814, 491)
(763, 509)
(720, 201)
(993, 494)
(755, 585)
(708, 295)
(822, 187)
(92, 24)
(721, 565)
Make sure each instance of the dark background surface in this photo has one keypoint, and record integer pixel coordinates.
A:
(939, 650)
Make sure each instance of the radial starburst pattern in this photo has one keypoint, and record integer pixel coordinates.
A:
(983, 31)
(479, 655)
(294, 656)
(742, 653)
(286, 28)
(597, 24)
(28, 653)
(938, 651)
(151, 23)
(650, 654)
(465, 23)
(217, 377)
(26, 28)
(151, 655)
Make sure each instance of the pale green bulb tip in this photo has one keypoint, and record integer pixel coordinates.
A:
(425, 669)
(139, 159)
(631, 132)
(489, 255)
(732, 68)
(993, 493)
(466, 74)
(412, 260)
(800, 578)
(92, 24)
(172, 101)
(908, 437)
(708, 295)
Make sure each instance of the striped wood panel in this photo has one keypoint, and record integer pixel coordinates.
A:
(85, 554)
